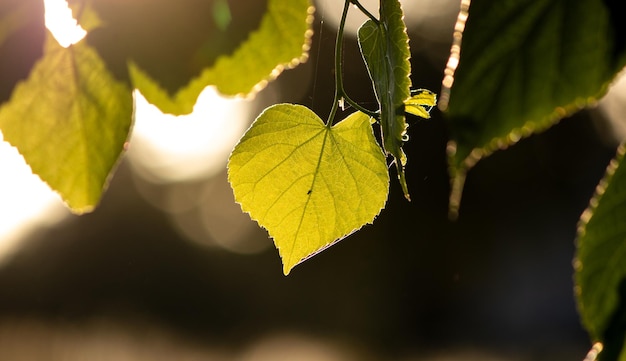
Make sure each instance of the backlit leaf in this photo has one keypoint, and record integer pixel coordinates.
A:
(385, 48)
(22, 35)
(70, 120)
(420, 103)
(601, 262)
(308, 184)
(526, 64)
(179, 47)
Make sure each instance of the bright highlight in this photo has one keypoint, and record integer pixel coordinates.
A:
(61, 23)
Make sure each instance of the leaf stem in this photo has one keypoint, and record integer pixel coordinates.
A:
(340, 93)
(355, 105)
(338, 75)
(365, 11)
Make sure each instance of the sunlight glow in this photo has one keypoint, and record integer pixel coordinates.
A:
(166, 148)
(433, 22)
(455, 55)
(613, 106)
(26, 202)
(215, 220)
(61, 23)
(179, 165)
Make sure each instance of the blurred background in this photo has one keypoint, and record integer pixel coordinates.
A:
(168, 267)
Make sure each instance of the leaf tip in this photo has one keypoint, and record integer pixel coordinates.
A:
(288, 263)
(287, 269)
(81, 209)
(402, 179)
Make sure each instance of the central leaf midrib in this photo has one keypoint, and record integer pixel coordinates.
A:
(308, 199)
(80, 121)
(270, 171)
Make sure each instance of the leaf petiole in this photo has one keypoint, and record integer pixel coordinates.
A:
(338, 74)
(365, 11)
(340, 92)
(355, 105)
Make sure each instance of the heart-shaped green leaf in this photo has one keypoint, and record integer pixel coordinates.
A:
(70, 120)
(308, 184)
(385, 48)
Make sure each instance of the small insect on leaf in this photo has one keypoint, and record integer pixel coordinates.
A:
(420, 103)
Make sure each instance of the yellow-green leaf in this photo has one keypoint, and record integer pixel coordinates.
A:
(421, 103)
(308, 184)
(70, 120)
(281, 41)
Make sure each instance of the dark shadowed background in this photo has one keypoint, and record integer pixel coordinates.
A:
(494, 285)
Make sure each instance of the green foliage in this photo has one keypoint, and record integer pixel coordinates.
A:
(311, 184)
(70, 121)
(525, 65)
(307, 183)
(421, 103)
(70, 115)
(550, 58)
(250, 67)
(601, 261)
(384, 45)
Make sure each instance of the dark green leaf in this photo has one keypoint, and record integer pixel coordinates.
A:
(525, 64)
(601, 262)
(385, 48)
